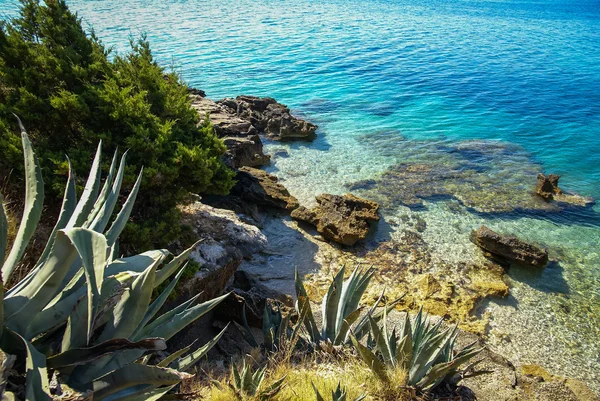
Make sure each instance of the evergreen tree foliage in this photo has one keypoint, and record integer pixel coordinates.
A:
(69, 92)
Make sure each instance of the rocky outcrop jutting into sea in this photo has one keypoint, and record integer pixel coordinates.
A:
(343, 219)
(270, 117)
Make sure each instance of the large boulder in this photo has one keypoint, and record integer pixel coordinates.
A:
(244, 147)
(245, 152)
(259, 187)
(223, 120)
(343, 219)
(226, 240)
(509, 249)
(547, 187)
(270, 117)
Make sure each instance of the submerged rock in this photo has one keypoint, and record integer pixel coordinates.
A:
(547, 187)
(259, 187)
(343, 219)
(510, 248)
(226, 240)
(268, 116)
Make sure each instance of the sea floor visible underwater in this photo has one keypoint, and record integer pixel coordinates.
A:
(443, 111)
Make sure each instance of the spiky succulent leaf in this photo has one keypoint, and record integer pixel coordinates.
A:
(81, 356)
(37, 387)
(331, 307)
(370, 359)
(119, 223)
(185, 363)
(3, 230)
(34, 200)
(133, 375)
(102, 218)
(168, 269)
(90, 192)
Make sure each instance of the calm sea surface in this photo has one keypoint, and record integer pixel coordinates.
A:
(515, 83)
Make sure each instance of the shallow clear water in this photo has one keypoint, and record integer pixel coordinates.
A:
(396, 81)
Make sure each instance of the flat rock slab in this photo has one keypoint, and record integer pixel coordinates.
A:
(510, 248)
(342, 219)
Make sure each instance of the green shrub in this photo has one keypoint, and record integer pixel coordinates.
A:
(70, 93)
(82, 313)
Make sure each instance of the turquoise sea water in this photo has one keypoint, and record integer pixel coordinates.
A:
(406, 80)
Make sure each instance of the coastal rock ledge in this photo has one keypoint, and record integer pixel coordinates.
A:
(509, 249)
(268, 116)
(342, 219)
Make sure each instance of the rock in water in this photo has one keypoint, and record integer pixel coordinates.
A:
(510, 248)
(547, 188)
(343, 219)
(270, 117)
(259, 187)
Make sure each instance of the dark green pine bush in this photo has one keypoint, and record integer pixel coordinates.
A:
(69, 93)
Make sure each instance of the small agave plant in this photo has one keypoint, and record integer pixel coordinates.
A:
(338, 395)
(425, 351)
(340, 308)
(278, 332)
(246, 382)
(82, 314)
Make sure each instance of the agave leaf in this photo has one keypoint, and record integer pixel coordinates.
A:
(158, 302)
(162, 319)
(37, 387)
(303, 304)
(404, 352)
(132, 375)
(147, 393)
(101, 199)
(136, 264)
(81, 356)
(92, 248)
(317, 394)
(68, 208)
(3, 230)
(342, 335)
(76, 325)
(90, 192)
(119, 223)
(173, 265)
(43, 287)
(132, 307)
(382, 344)
(185, 363)
(101, 220)
(424, 357)
(245, 329)
(273, 389)
(175, 355)
(355, 288)
(34, 200)
(188, 316)
(330, 306)
(370, 359)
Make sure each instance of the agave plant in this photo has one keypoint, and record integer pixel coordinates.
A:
(338, 395)
(340, 308)
(278, 331)
(82, 313)
(245, 382)
(424, 350)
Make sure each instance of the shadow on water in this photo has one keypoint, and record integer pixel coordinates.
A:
(569, 216)
(548, 280)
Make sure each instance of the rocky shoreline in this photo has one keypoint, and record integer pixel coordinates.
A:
(255, 237)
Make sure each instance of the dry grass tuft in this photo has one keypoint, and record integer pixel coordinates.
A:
(325, 371)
